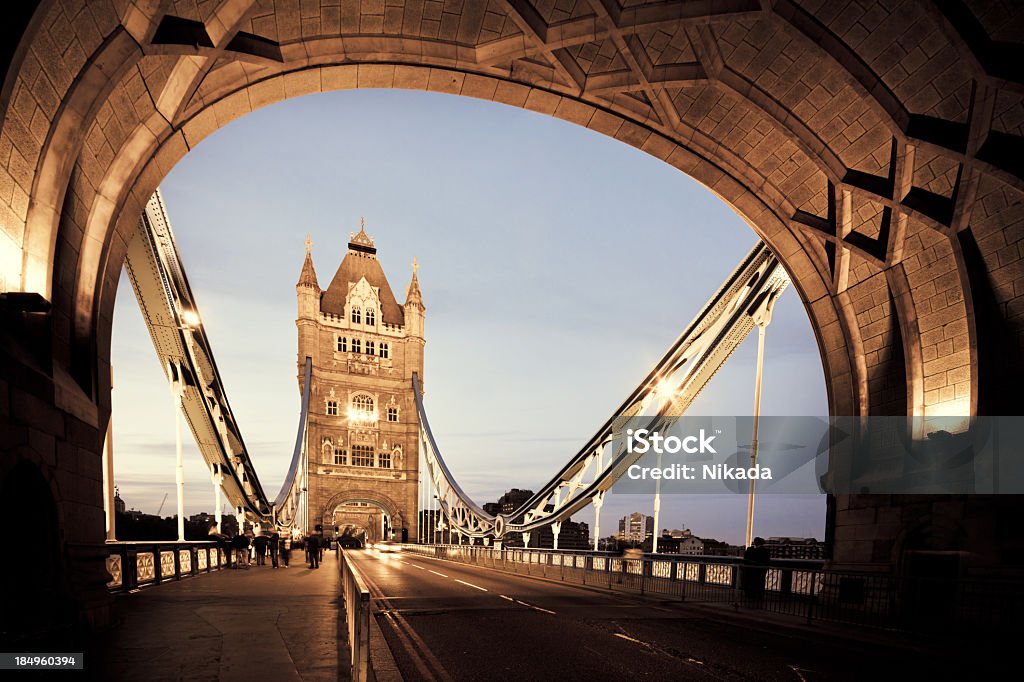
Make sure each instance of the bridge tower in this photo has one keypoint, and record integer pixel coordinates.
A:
(362, 434)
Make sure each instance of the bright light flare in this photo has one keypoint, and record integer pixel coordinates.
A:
(190, 318)
(665, 391)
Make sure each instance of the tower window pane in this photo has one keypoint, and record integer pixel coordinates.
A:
(362, 456)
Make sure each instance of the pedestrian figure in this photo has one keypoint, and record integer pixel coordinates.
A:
(240, 544)
(313, 549)
(274, 547)
(755, 559)
(286, 549)
(260, 544)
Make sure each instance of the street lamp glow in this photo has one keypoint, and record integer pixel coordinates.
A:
(664, 390)
(190, 318)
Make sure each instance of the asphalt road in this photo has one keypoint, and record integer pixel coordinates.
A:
(448, 621)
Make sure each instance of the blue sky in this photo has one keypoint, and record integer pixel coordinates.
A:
(556, 267)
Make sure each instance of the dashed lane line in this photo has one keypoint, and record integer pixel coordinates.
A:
(475, 587)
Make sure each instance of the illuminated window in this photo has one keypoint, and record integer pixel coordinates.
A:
(384, 460)
(363, 405)
(371, 316)
(356, 315)
(370, 350)
(385, 351)
(357, 346)
(392, 414)
(339, 456)
(362, 456)
(342, 344)
(332, 408)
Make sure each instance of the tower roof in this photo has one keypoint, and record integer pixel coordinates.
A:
(308, 275)
(361, 261)
(362, 242)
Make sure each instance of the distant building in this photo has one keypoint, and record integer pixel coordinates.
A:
(514, 499)
(636, 527)
(676, 533)
(571, 535)
(795, 548)
(492, 508)
(680, 542)
(119, 505)
(203, 519)
(714, 547)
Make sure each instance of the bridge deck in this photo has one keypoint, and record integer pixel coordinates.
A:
(255, 624)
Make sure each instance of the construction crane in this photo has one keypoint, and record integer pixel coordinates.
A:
(161, 508)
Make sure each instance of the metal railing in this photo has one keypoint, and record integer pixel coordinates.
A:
(802, 589)
(357, 615)
(133, 565)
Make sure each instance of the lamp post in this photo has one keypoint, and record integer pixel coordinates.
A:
(178, 392)
(762, 318)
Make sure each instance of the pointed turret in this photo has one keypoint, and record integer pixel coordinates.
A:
(413, 295)
(307, 293)
(307, 278)
(414, 318)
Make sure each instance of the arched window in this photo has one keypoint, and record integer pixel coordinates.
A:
(339, 456)
(362, 409)
(370, 350)
(332, 408)
(385, 351)
(356, 316)
(384, 460)
(342, 344)
(392, 413)
(371, 317)
(357, 346)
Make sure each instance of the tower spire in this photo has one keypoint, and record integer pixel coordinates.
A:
(413, 295)
(307, 277)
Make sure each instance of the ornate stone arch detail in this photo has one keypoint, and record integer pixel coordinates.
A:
(389, 504)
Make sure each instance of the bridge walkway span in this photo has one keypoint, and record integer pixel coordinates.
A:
(249, 624)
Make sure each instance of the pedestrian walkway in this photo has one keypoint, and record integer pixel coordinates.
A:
(256, 624)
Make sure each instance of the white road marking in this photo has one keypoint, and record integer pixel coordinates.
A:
(504, 597)
(436, 573)
(419, 567)
(619, 634)
(535, 608)
(476, 587)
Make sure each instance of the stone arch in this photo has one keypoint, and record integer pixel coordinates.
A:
(375, 497)
(889, 185)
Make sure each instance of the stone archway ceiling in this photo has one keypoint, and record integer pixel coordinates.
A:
(833, 76)
(874, 146)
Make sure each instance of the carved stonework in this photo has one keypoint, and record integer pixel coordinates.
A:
(114, 569)
(144, 568)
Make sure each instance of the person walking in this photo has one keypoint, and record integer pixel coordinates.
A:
(313, 548)
(274, 548)
(240, 543)
(260, 544)
(286, 549)
(756, 559)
